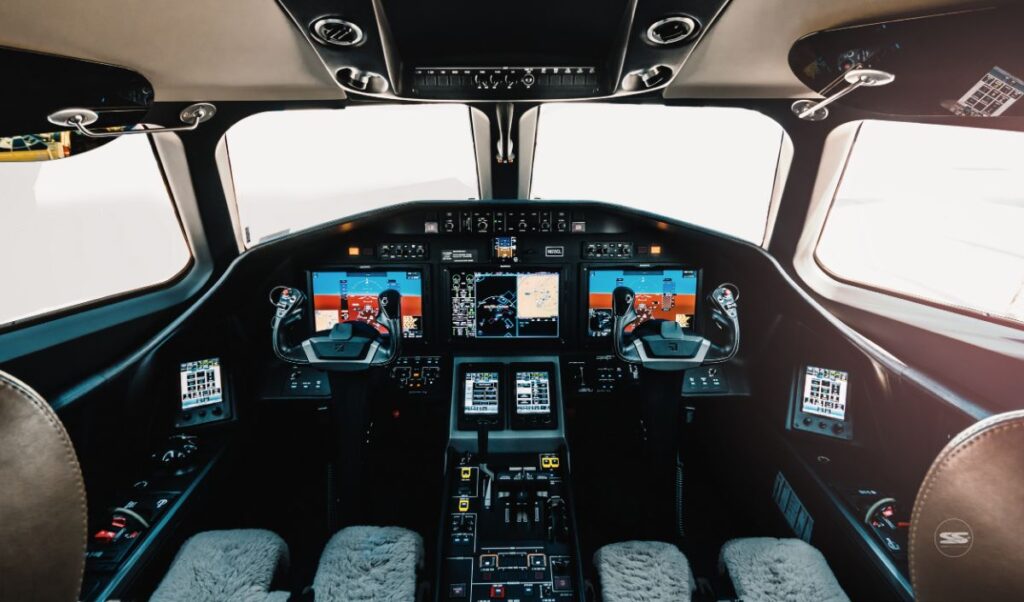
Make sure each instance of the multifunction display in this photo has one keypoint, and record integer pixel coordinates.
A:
(825, 392)
(480, 393)
(533, 392)
(352, 296)
(201, 383)
(505, 304)
(665, 294)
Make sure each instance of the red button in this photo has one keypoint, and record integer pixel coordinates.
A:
(498, 591)
(104, 536)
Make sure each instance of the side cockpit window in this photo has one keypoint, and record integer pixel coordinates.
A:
(933, 213)
(87, 227)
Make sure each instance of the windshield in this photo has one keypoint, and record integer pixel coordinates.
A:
(713, 167)
(295, 169)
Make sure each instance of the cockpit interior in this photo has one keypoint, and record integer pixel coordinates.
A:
(606, 300)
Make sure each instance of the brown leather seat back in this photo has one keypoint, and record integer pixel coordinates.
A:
(967, 530)
(42, 500)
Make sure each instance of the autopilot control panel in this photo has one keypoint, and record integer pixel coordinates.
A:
(509, 278)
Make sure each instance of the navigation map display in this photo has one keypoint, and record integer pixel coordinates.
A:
(493, 305)
(825, 392)
(664, 294)
(352, 296)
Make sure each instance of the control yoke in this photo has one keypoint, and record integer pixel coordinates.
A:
(350, 346)
(664, 345)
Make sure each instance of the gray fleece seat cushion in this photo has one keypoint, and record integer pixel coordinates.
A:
(237, 565)
(643, 571)
(369, 563)
(766, 569)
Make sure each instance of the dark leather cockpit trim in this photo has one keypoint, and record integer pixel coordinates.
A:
(962, 500)
(43, 584)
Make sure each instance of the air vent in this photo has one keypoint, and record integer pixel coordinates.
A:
(362, 81)
(333, 31)
(672, 30)
(646, 79)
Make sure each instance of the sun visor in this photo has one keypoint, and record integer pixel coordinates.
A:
(968, 63)
(37, 85)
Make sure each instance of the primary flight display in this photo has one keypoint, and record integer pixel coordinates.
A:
(665, 294)
(344, 296)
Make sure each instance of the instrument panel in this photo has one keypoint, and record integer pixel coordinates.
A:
(531, 277)
(510, 278)
(504, 304)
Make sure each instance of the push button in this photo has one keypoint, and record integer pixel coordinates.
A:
(498, 592)
(104, 536)
(457, 591)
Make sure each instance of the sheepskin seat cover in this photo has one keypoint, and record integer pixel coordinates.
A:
(215, 566)
(765, 569)
(643, 571)
(369, 563)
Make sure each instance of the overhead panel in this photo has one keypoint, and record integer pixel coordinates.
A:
(460, 50)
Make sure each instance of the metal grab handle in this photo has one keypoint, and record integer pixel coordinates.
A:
(80, 119)
(856, 78)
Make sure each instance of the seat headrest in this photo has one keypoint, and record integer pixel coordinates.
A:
(965, 534)
(43, 526)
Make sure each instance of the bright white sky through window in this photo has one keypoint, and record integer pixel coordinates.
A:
(934, 212)
(295, 169)
(87, 227)
(713, 167)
